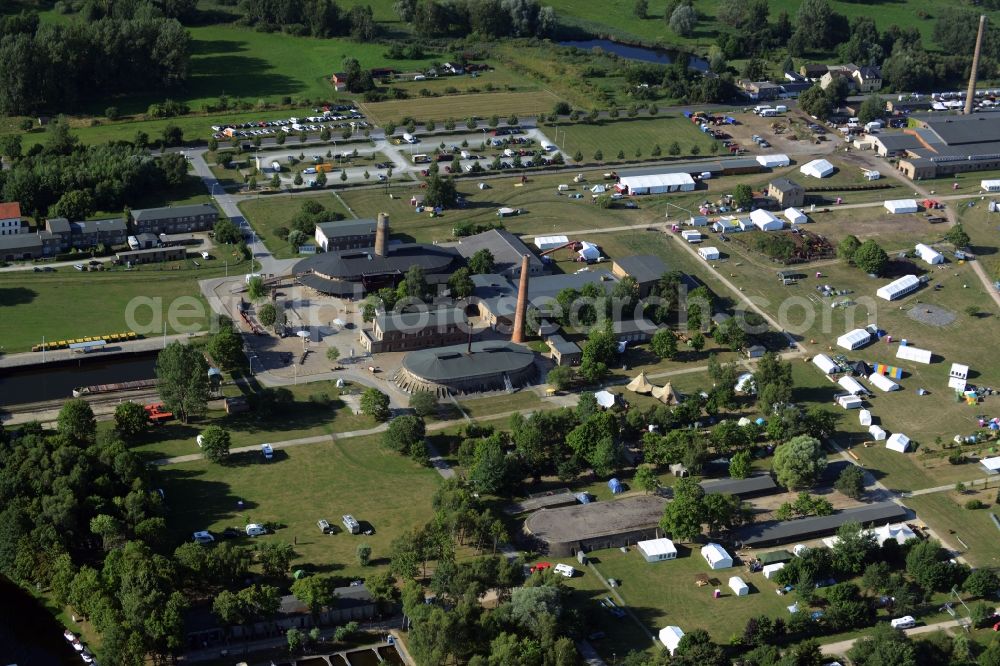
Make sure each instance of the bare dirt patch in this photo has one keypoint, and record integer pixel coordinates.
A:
(932, 315)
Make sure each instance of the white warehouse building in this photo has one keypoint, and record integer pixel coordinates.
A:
(898, 288)
(657, 183)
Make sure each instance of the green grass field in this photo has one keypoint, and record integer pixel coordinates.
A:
(300, 486)
(484, 104)
(975, 527)
(69, 304)
(631, 135)
(268, 213)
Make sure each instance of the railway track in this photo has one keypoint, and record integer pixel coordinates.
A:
(97, 401)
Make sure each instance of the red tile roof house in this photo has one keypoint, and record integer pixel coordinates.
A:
(10, 218)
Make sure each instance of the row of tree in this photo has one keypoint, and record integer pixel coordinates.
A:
(485, 18)
(315, 18)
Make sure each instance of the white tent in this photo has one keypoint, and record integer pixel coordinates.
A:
(600, 188)
(990, 185)
(772, 161)
(738, 586)
(865, 417)
(897, 288)
(800, 549)
(825, 363)
(709, 253)
(716, 556)
(876, 432)
(851, 385)
(771, 569)
(859, 337)
(898, 442)
(605, 399)
(589, 251)
(548, 242)
(745, 224)
(900, 533)
(991, 465)
(882, 382)
(655, 550)
(765, 221)
(640, 384)
(725, 224)
(849, 402)
(817, 169)
(929, 254)
(915, 354)
(899, 206)
(657, 183)
(745, 383)
(796, 216)
(671, 637)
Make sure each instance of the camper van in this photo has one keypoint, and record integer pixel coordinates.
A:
(781, 108)
(409, 138)
(759, 110)
(421, 158)
(905, 622)
(768, 113)
(351, 525)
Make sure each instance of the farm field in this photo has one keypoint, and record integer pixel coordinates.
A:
(630, 135)
(502, 104)
(68, 304)
(973, 526)
(358, 476)
(266, 214)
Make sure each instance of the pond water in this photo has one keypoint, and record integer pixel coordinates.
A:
(639, 53)
(29, 635)
(54, 381)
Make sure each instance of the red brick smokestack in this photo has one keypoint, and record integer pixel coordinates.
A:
(382, 235)
(970, 97)
(522, 303)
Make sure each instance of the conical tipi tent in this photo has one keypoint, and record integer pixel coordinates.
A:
(666, 395)
(640, 384)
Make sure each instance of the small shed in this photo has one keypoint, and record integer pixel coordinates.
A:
(657, 550)
(910, 353)
(898, 442)
(990, 185)
(817, 169)
(865, 417)
(697, 221)
(901, 206)
(876, 432)
(855, 339)
(738, 586)
(770, 570)
(929, 254)
(825, 363)
(756, 351)
(709, 253)
(671, 637)
(716, 556)
(882, 383)
(849, 402)
(957, 376)
(796, 216)
(691, 236)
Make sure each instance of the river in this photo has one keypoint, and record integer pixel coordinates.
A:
(29, 635)
(640, 53)
(56, 381)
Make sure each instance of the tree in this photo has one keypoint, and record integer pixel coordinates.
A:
(683, 20)
(883, 646)
(316, 592)
(182, 380)
(424, 403)
(295, 639)
(816, 102)
(873, 108)
(404, 432)
(646, 479)
(131, 420)
(697, 341)
(853, 548)
(982, 583)
(274, 557)
(682, 517)
(743, 196)
(267, 314)
(560, 377)
(226, 347)
(740, 465)
(460, 283)
(440, 192)
(664, 343)
(76, 422)
(851, 482)
(364, 553)
(226, 231)
(846, 248)
(870, 257)
(255, 288)
(957, 237)
(375, 404)
(799, 462)
(172, 135)
(215, 443)
(641, 9)
(481, 262)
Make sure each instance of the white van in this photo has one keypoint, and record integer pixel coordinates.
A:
(905, 622)
(768, 113)
(565, 570)
(255, 529)
(781, 108)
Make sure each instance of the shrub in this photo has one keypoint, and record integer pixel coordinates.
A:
(974, 504)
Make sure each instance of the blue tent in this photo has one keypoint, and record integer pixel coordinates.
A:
(616, 486)
(584, 498)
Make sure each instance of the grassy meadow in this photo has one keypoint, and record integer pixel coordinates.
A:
(269, 213)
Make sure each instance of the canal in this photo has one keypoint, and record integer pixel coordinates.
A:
(639, 53)
(29, 635)
(56, 381)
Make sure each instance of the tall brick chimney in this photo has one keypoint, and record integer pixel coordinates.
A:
(382, 235)
(970, 97)
(520, 313)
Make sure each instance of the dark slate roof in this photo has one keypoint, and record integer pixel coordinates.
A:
(99, 226)
(588, 521)
(173, 212)
(761, 483)
(785, 185)
(353, 264)
(796, 86)
(347, 228)
(894, 142)
(22, 242)
(412, 322)
(57, 225)
(776, 532)
(506, 248)
(644, 268)
(444, 364)
(562, 345)
(955, 130)
(626, 326)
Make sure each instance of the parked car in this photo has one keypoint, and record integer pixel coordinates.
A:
(203, 537)
(541, 566)
(230, 533)
(267, 451)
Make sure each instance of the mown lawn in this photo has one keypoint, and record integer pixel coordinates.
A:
(944, 512)
(640, 134)
(382, 489)
(441, 108)
(267, 214)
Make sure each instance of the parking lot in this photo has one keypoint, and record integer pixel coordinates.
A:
(333, 118)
